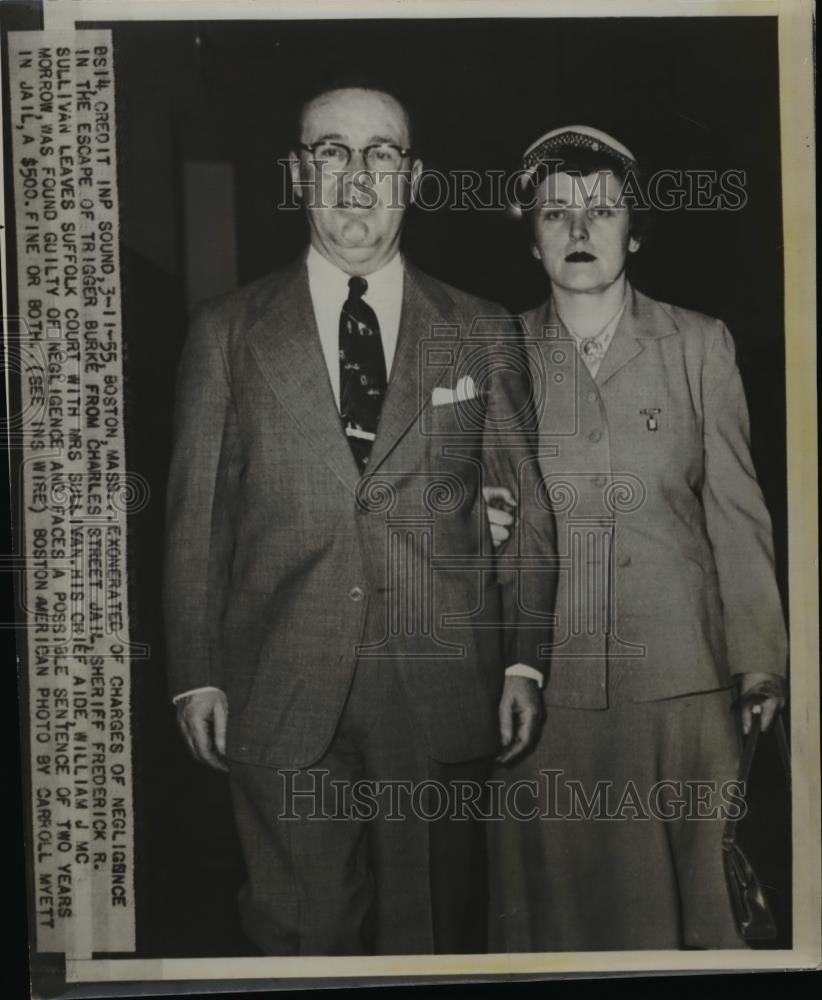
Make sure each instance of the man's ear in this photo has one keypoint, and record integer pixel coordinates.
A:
(634, 244)
(294, 170)
(416, 177)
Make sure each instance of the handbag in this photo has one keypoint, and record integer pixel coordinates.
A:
(752, 912)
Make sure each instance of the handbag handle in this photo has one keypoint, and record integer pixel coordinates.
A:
(746, 761)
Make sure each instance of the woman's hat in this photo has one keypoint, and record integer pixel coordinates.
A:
(573, 137)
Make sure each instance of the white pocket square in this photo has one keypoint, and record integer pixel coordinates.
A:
(464, 391)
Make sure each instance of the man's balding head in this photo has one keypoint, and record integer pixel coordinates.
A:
(355, 206)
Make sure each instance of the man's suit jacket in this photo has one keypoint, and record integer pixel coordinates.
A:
(284, 565)
(666, 562)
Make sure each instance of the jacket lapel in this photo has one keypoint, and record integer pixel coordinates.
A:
(567, 380)
(286, 344)
(642, 320)
(411, 380)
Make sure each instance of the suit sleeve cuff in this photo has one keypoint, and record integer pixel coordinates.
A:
(523, 670)
(185, 694)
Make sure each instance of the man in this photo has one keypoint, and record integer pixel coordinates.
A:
(330, 617)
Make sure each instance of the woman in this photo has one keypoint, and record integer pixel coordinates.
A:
(667, 606)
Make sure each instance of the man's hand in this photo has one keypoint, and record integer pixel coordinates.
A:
(499, 507)
(767, 690)
(202, 718)
(520, 717)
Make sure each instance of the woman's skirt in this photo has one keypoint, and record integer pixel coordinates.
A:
(612, 836)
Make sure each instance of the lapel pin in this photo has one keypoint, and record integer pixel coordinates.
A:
(651, 422)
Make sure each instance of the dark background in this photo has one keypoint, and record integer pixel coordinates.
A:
(697, 93)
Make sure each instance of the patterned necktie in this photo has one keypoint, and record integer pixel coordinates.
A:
(363, 378)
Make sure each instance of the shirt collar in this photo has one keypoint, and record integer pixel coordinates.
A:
(329, 276)
(606, 332)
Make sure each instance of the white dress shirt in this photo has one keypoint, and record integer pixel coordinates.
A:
(328, 287)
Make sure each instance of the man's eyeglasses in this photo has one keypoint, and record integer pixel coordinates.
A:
(336, 155)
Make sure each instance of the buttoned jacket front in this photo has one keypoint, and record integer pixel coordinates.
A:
(666, 571)
(284, 566)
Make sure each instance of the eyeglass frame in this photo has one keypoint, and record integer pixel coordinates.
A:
(309, 148)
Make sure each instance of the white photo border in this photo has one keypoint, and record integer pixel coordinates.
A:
(795, 34)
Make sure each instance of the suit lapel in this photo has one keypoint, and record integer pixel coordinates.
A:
(624, 346)
(286, 344)
(642, 320)
(411, 379)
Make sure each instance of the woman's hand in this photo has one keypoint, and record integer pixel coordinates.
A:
(499, 507)
(767, 690)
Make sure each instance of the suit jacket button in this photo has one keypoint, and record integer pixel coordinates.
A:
(624, 560)
(595, 435)
(356, 593)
